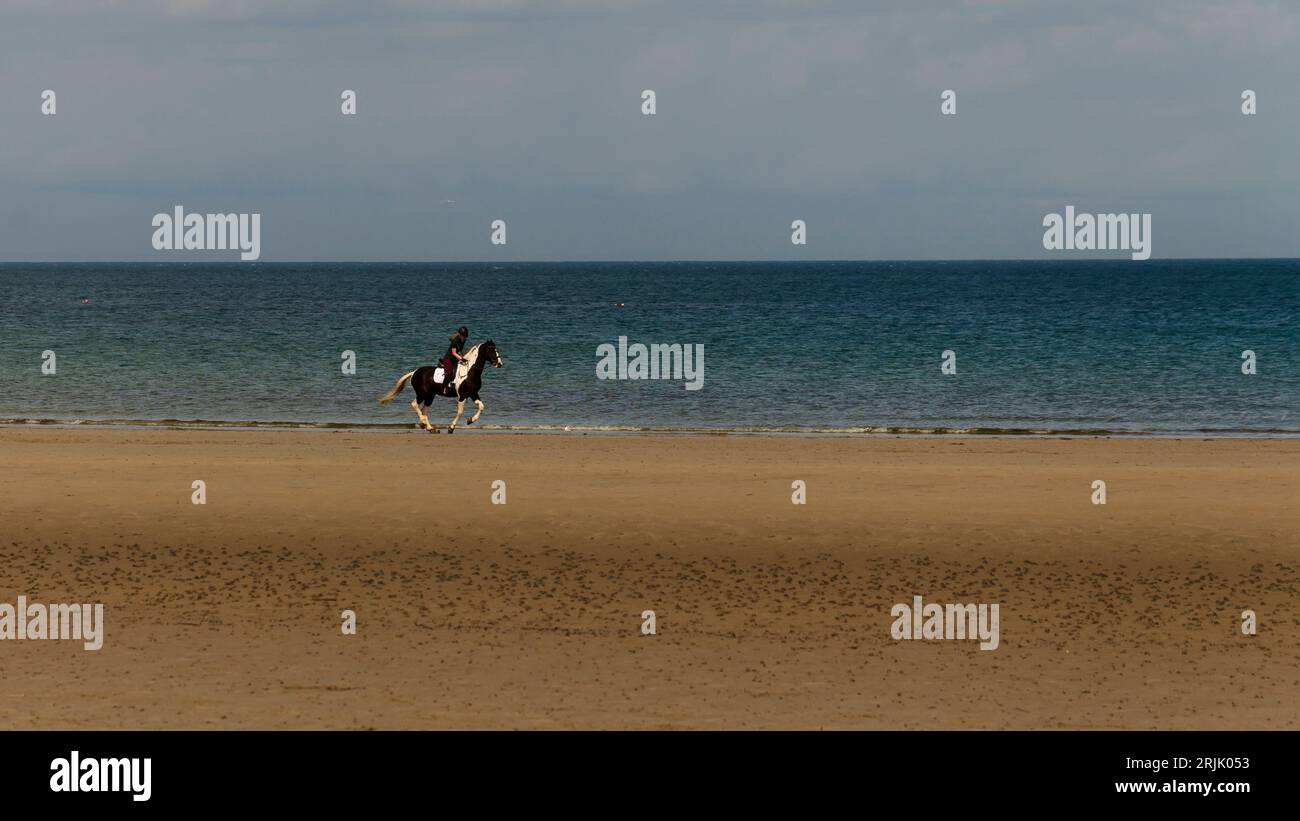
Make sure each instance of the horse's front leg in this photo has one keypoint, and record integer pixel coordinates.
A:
(460, 408)
(479, 404)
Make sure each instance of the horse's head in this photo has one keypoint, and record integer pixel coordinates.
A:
(491, 354)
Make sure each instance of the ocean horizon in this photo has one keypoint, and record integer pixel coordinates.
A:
(1072, 347)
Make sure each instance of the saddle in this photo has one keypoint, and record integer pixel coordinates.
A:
(449, 373)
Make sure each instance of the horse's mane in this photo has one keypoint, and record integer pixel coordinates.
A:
(472, 354)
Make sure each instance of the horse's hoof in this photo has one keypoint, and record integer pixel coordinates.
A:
(451, 430)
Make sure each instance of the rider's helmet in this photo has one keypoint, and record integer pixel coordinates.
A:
(463, 331)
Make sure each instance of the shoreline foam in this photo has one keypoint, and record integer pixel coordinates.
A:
(882, 430)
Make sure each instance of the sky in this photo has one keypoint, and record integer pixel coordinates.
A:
(470, 111)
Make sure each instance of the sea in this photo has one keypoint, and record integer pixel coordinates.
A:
(1095, 347)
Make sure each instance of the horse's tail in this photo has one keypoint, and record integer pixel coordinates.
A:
(401, 383)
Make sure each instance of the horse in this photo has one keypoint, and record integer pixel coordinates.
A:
(466, 385)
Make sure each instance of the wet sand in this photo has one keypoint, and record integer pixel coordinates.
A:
(528, 614)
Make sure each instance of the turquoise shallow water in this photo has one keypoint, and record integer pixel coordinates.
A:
(1110, 345)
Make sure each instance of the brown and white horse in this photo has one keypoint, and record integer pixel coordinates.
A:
(465, 385)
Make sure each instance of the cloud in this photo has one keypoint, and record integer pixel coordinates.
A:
(766, 107)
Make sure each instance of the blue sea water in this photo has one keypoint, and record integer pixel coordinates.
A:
(1103, 345)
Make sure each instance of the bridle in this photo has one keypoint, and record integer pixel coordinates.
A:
(474, 354)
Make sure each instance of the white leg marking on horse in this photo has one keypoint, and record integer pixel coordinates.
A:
(478, 403)
(460, 408)
(422, 413)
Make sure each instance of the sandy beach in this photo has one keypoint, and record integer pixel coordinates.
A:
(528, 614)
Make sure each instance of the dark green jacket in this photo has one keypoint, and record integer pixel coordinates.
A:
(457, 345)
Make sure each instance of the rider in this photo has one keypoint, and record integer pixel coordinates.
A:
(455, 353)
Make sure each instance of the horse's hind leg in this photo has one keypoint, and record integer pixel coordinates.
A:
(416, 404)
(424, 416)
(479, 404)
